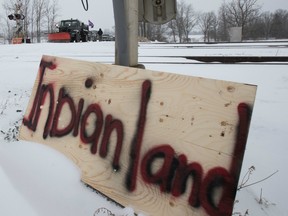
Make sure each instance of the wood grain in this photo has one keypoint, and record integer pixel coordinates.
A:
(195, 116)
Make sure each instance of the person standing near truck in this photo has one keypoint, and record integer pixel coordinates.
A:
(100, 33)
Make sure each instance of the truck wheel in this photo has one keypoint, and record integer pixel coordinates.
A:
(77, 38)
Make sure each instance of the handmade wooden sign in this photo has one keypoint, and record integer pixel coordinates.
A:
(163, 143)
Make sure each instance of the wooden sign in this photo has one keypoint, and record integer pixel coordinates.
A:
(162, 143)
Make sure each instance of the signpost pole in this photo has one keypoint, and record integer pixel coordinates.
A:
(126, 28)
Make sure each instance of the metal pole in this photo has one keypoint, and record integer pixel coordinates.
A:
(126, 32)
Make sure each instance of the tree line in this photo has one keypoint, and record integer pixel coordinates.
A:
(247, 14)
(40, 15)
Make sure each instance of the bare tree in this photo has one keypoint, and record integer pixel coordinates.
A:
(240, 12)
(39, 14)
(26, 13)
(207, 24)
(186, 20)
(7, 29)
(161, 33)
(223, 26)
(1, 26)
(172, 29)
(38, 10)
(51, 12)
(156, 32)
(190, 20)
(152, 31)
(267, 20)
(261, 27)
(279, 27)
(6, 24)
(179, 21)
(142, 29)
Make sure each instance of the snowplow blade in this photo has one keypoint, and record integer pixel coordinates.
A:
(59, 37)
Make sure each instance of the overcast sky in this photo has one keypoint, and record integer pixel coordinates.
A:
(101, 12)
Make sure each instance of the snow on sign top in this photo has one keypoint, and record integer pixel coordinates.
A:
(162, 143)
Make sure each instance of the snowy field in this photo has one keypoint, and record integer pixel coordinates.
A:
(37, 180)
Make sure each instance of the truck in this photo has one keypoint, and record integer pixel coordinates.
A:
(69, 31)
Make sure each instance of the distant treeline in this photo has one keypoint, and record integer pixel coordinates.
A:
(247, 14)
(42, 15)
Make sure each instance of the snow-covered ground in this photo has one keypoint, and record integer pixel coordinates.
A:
(37, 180)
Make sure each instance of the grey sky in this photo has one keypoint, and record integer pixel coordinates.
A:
(101, 12)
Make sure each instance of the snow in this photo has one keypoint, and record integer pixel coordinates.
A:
(37, 180)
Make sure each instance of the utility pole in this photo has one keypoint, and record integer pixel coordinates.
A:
(127, 14)
(126, 30)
